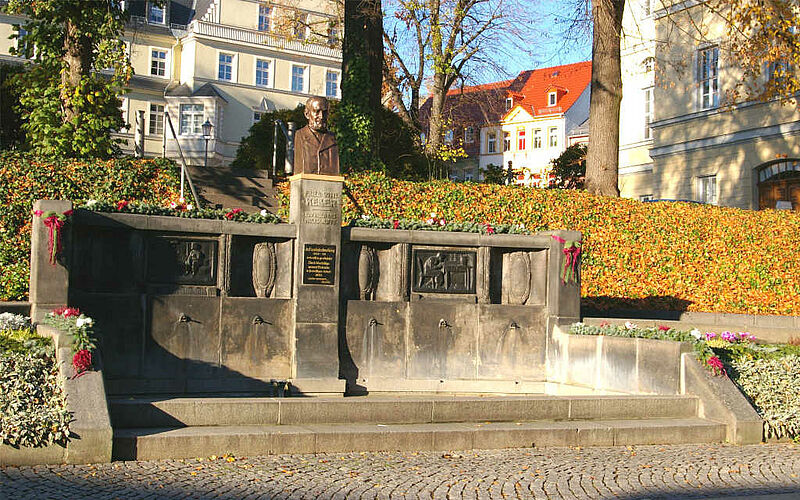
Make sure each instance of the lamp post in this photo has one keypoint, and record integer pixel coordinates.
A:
(207, 126)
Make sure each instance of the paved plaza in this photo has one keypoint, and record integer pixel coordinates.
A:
(685, 471)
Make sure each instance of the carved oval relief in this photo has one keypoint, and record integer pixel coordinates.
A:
(519, 277)
(367, 272)
(265, 265)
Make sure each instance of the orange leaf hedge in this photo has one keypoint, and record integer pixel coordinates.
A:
(662, 255)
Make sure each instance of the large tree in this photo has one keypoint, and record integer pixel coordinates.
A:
(602, 161)
(69, 96)
(439, 42)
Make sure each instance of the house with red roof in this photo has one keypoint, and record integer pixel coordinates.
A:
(521, 123)
(547, 111)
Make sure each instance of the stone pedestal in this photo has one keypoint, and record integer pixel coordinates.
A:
(316, 210)
(49, 282)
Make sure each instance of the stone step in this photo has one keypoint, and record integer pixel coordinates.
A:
(237, 411)
(190, 442)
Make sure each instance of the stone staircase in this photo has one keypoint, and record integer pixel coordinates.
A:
(184, 427)
(226, 187)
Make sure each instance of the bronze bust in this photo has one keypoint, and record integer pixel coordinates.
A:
(315, 149)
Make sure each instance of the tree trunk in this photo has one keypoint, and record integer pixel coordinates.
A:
(602, 161)
(362, 65)
(75, 58)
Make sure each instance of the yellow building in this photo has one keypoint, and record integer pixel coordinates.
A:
(221, 61)
(703, 148)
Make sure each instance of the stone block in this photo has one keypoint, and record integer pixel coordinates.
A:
(617, 368)
(316, 350)
(659, 370)
(376, 338)
(348, 410)
(443, 340)
(582, 359)
(511, 342)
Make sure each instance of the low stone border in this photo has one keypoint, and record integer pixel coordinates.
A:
(633, 365)
(23, 308)
(90, 431)
(773, 329)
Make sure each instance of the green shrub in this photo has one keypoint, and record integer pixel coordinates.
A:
(33, 408)
(773, 386)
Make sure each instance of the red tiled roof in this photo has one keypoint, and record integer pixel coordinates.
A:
(477, 88)
(572, 77)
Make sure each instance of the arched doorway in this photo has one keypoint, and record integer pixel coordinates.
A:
(779, 181)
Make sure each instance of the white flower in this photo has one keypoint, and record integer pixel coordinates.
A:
(90, 203)
(630, 326)
(696, 333)
(181, 200)
(442, 222)
(263, 212)
(433, 215)
(173, 205)
(83, 321)
(365, 216)
(189, 207)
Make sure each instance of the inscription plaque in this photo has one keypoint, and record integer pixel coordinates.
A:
(319, 264)
(444, 271)
(181, 261)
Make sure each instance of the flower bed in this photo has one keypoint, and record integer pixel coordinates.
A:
(636, 255)
(765, 373)
(33, 410)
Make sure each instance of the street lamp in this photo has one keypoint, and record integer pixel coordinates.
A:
(207, 126)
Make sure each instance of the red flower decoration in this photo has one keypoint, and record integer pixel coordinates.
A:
(67, 312)
(82, 361)
(121, 204)
(395, 224)
(489, 229)
(232, 213)
(716, 366)
(662, 328)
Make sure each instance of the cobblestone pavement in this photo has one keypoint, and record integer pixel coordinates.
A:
(707, 471)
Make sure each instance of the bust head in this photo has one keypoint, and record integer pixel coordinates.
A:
(317, 113)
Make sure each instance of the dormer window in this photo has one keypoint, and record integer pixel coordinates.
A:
(551, 98)
(509, 103)
(155, 14)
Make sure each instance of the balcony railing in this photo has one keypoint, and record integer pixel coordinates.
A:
(551, 110)
(257, 37)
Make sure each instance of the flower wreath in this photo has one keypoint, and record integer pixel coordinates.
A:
(572, 252)
(54, 222)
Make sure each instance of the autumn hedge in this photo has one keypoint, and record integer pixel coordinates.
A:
(25, 178)
(662, 255)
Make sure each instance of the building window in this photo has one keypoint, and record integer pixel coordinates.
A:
(469, 135)
(225, 67)
(551, 99)
(491, 142)
(537, 138)
(155, 14)
(156, 125)
(298, 79)
(158, 62)
(553, 137)
(521, 139)
(448, 136)
(333, 35)
(257, 116)
(648, 112)
(264, 18)
(300, 28)
(708, 61)
(707, 189)
(506, 141)
(648, 64)
(332, 84)
(509, 103)
(262, 72)
(22, 43)
(646, 197)
(469, 175)
(191, 121)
